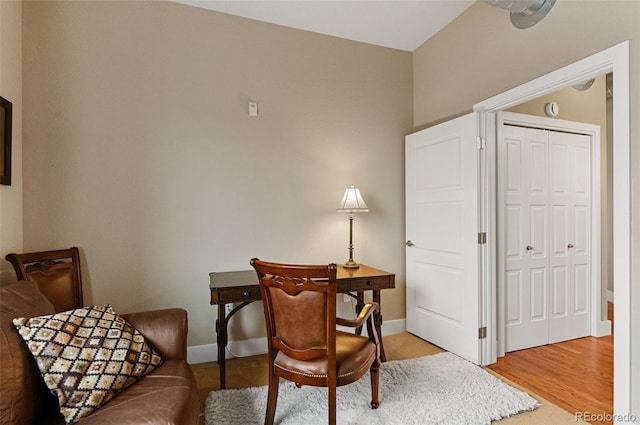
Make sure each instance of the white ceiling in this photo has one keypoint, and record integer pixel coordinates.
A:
(399, 24)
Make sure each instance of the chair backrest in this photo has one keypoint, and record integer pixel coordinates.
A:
(57, 274)
(300, 308)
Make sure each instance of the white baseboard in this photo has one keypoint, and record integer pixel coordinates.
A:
(604, 328)
(209, 352)
(202, 353)
(251, 347)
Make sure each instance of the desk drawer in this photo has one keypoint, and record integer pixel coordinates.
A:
(235, 294)
(370, 283)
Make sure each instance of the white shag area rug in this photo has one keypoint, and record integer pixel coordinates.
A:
(437, 389)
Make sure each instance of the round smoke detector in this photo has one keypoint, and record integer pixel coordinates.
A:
(551, 109)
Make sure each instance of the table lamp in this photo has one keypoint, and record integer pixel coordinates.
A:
(352, 202)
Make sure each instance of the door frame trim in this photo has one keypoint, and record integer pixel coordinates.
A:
(614, 59)
(597, 326)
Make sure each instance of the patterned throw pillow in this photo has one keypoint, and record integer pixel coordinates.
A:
(86, 356)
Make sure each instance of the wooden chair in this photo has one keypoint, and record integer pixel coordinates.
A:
(57, 274)
(304, 346)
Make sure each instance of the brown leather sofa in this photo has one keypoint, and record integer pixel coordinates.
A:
(166, 396)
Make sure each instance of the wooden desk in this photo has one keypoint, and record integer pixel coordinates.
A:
(243, 287)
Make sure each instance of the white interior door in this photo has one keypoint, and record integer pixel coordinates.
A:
(570, 216)
(443, 284)
(544, 193)
(522, 181)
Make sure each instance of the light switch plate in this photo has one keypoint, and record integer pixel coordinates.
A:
(253, 109)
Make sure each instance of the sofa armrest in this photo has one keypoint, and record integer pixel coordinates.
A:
(165, 330)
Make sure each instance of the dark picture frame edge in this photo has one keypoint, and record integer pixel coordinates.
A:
(6, 115)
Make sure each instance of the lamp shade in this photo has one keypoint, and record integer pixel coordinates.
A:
(352, 201)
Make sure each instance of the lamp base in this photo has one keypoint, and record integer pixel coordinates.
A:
(350, 265)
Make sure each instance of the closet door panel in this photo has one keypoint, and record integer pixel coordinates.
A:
(525, 215)
(573, 164)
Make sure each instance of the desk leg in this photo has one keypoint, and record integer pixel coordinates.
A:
(359, 306)
(221, 330)
(378, 323)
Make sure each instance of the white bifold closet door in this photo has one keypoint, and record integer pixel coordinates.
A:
(544, 182)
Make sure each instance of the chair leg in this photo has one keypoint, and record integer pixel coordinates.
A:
(332, 404)
(272, 397)
(375, 380)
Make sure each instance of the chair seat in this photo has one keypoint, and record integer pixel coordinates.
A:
(354, 356)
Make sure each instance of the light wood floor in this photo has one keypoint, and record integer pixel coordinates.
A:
(252, 371)
(576, 375)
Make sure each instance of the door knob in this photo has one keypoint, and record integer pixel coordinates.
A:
(529, 247)
(409, 243)
(570, 245)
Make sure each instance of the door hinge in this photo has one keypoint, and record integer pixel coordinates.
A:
(482, 238)
(481, 143)
(482, 332)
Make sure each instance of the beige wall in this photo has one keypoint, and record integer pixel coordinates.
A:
(587, 106)
(139, 149)
(11, 89)
(481, 55)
